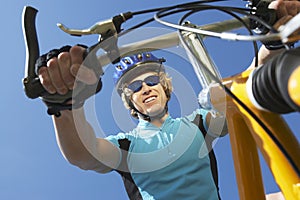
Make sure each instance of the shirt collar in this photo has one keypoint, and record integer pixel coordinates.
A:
(143, 123)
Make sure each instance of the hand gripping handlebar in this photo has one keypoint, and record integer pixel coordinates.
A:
(107, 30)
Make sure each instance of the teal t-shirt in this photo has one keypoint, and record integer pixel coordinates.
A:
(171, 161)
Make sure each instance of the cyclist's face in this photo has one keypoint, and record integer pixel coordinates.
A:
(150, 100)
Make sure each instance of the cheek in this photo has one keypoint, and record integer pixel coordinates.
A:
(164, 99)
(134, 97)
(135, 100)
(163, 96)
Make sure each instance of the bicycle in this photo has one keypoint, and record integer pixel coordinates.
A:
(258, 126)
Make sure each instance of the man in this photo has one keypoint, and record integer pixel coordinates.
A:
(166, 158)
(160, 157)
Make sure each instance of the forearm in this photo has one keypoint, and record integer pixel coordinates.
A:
(79, 145)
(217, 125)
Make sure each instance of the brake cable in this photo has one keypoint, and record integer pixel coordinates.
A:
(191, 4)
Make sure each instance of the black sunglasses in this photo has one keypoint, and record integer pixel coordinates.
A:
(137, 85)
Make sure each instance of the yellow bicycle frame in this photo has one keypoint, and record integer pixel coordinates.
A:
(247, 137)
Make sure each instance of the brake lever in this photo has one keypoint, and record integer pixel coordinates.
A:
(262, 11)
(107, 31)
(103, 28)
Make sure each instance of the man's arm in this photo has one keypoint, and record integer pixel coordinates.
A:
(217, 125)
(74, 134)
(79, 145)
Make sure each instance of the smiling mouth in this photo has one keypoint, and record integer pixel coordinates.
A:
(150, 99)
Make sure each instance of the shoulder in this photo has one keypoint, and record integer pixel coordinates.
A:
(198, 112)
(198, 117)
(121, 136)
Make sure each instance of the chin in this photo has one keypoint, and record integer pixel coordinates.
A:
(154, 110)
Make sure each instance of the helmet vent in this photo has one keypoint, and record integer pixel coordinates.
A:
(119, 67)
(127, 61)
(139, 56)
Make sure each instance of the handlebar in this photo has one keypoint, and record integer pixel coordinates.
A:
(107, 32)
(269, 84)
(34, 89)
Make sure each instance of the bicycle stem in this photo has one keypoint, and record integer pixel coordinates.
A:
(200, 58)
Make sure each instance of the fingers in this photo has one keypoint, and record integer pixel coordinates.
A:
(51, 78)
(285, 7)
(45, 80)
(56, 76)
(81, 72)
(62, 72)
(64, 62)
(292, 8)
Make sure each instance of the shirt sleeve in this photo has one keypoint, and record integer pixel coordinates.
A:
(114, 138)
(201, 112)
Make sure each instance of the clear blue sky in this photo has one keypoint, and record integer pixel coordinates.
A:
(32, 167)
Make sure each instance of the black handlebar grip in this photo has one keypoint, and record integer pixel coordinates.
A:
(270, 82)
(32, 85)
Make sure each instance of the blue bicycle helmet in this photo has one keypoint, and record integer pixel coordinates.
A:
(132, 66)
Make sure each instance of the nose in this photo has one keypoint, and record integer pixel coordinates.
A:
(145, 89)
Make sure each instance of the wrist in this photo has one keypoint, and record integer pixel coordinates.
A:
(266, 54)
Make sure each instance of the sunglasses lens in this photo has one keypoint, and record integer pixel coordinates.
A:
(136, 86)
(152, 80)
